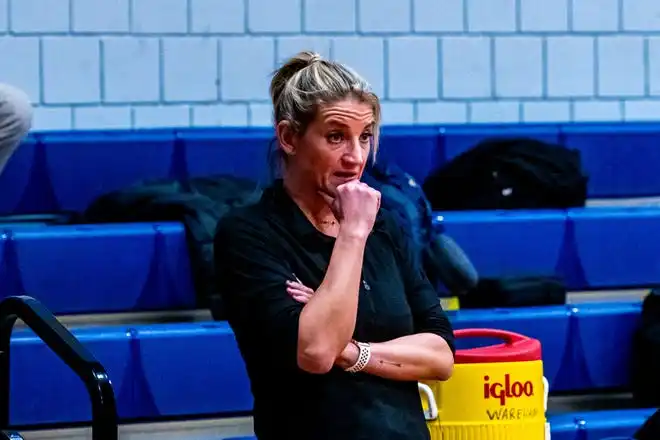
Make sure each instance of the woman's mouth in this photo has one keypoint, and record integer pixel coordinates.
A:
(346, 175)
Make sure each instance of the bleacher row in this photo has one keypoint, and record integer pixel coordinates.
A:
(66, 170)
(166, 370)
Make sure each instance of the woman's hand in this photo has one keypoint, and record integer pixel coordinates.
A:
(299, 291)
(355, 205)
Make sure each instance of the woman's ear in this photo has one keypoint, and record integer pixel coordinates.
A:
(286, 137)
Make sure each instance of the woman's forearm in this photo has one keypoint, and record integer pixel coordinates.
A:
(328, 320)
(423, 356)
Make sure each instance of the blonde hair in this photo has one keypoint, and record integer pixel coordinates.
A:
(307, 81)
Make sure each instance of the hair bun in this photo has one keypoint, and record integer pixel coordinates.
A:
(314, 58)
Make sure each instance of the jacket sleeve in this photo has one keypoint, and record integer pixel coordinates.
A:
(251, 276)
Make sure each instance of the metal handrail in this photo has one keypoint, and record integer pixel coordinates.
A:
(60, 340)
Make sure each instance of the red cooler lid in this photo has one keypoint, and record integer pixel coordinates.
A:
(515, 348)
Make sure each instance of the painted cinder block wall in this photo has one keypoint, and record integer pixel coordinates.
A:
(147, 63)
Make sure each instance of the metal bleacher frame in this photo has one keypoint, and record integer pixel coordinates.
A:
(60, 340)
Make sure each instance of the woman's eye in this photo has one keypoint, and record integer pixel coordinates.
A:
(366, 137)
(335, 138)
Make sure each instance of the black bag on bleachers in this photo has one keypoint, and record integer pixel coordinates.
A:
(522, 291)
(198, 203)
(645, 368)
(505, 173)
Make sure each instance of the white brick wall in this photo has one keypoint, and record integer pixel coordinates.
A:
(147, 63)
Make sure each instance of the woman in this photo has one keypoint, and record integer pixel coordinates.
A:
(342, 362)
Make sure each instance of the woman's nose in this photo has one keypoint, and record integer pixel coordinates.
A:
(355, 155)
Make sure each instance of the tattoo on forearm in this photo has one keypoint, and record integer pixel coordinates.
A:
(395, 364)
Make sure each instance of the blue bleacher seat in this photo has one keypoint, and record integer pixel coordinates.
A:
(617, 246)
(588, 362)
(191, 369)
(622, 159)
(36, 371)
(99, 268)
(502, 243)
(590, 248)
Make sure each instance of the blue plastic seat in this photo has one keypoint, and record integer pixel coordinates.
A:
(191, 369)
(589, 248)
(99, 268)
(588, 362)
(622, 160)
(617, 246)
(62, 397)
(503, 243)
(22, 188)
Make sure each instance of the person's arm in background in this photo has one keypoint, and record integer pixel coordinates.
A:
(15, 120)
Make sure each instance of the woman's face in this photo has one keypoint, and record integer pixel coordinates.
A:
(335, 147)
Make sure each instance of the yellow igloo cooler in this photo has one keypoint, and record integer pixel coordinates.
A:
(497, 392)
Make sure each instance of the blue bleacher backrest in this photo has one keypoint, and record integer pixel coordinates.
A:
(592, 248)
(238, 152)
(460, 138)
(67, 169)
(414, 149)
(19, 192)
(622, 160)
(36, 371)
(502, 243)
(588, 362)
(192, 369)
(617, 246)
(75, 168)
(134, 267)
